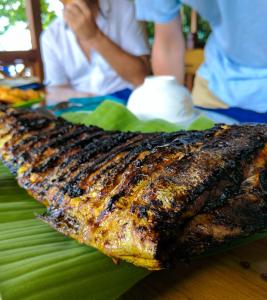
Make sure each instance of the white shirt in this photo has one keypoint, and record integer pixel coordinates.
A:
(65, 63)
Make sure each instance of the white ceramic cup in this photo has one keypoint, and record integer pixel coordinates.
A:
(161, 97)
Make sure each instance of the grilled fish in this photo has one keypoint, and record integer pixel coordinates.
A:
(141, 197)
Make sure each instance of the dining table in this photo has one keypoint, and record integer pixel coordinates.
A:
(238, 274)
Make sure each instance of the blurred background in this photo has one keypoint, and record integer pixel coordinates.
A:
(21, 22)
(14, 31)
(15, 35)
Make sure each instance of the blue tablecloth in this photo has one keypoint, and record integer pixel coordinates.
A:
(239, 114)
(90, 103)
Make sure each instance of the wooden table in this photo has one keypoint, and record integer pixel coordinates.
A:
(235, 275)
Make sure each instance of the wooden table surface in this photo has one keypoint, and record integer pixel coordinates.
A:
(235, 275)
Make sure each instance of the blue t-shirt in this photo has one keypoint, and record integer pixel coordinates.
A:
(236, 52)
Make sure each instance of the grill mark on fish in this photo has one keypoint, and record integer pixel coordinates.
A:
(43, 161)
(25, 121)
(136, 178)
(63, 174)
(26, 155)
(109, 174)
(177, 140)
(112, 170)
(26, 125)
(12, 113)
(59, 140)
(98, 148)
(69, 164)
(51, 161)
(187, 139)
(59, 129)
(126, 148)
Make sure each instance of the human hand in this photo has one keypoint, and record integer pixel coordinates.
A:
(81, 19)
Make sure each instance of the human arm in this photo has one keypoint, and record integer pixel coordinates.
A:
(58, 93)
(81, 19)
(131, 68)
(169, 50)
(169, 46)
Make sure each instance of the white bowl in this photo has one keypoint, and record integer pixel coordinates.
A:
(161, 97)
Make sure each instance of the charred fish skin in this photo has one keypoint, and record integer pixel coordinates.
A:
(244, 214)
(132, 195)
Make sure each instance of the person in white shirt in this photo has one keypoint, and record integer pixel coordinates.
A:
(97, 48)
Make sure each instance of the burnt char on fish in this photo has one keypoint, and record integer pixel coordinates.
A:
(141, 197)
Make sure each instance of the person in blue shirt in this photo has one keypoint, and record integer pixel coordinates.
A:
(234, 73)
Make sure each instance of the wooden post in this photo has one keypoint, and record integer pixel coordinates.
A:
(191, 44)
(33, 12)
(192, 36)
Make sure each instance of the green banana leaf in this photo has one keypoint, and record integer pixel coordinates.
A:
(36, 262)
(114, 116)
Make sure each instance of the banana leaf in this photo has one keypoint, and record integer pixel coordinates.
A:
(114, 116)
(36, 262)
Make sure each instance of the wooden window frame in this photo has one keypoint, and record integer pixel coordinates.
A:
(32, 57)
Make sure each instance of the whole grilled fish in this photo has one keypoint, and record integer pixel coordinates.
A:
(144, 198)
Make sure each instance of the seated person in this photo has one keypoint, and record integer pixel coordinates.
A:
(98, 48)
(234, 73)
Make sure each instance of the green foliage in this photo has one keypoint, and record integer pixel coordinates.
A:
(203, 28)
(150, 30)
(47, 16)
(14, 11)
